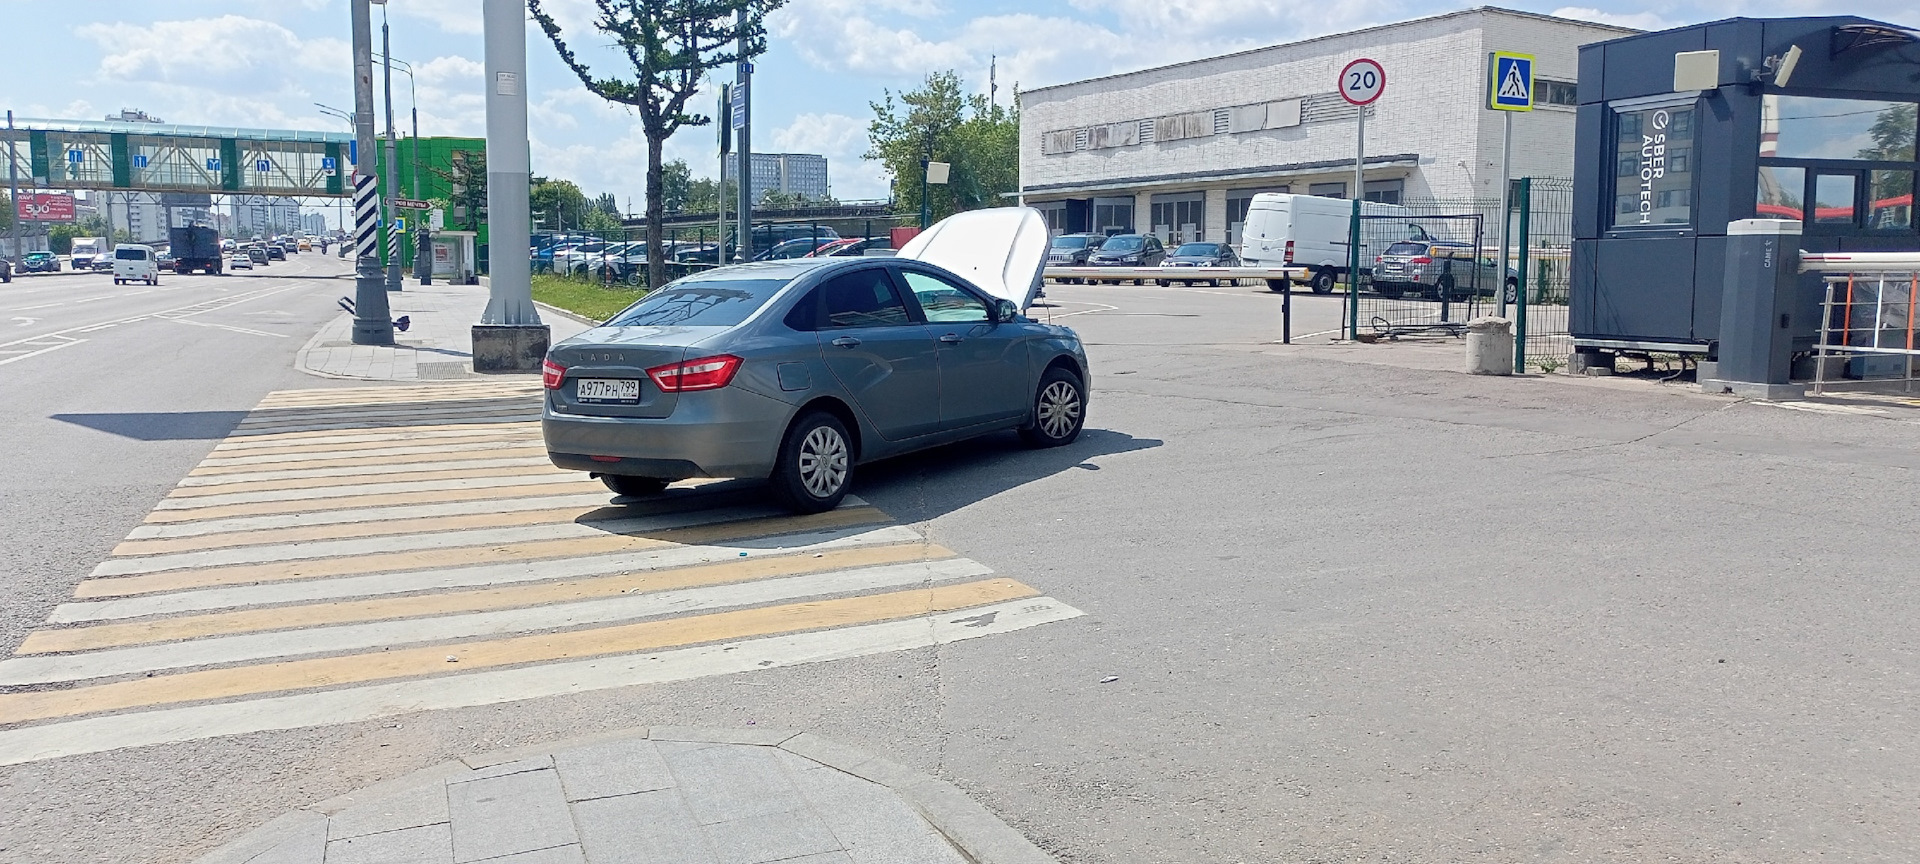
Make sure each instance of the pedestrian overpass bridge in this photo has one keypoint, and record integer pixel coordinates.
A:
(162, 157)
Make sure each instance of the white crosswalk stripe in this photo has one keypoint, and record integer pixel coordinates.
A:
(364, 552)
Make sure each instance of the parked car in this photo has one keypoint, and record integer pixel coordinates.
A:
(797, 248)
(241, 261)
(799, 370)
(1285, 230)
(1128, 250)
(1072, 250)
(1199, 255)
(1439, 269)
(133, 262)
(40, 262)
(851, 247)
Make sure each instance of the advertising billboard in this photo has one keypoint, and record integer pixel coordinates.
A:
(45, 207)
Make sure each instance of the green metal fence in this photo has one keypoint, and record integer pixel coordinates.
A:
(1544, 256)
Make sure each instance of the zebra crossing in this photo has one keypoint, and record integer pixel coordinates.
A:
(350, 554)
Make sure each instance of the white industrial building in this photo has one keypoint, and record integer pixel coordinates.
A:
(1180, 150)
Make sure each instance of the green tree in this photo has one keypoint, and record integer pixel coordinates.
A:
(559, 202)
(609, 205)
(980, 140)
(6, 212)
(676, 181)
(671, 45)
(704, 195)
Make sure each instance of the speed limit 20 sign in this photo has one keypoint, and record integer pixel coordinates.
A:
(1362, 81)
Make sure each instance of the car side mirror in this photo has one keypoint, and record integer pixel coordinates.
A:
(1005, 312)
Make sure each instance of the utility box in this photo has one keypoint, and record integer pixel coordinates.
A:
(1757, 303)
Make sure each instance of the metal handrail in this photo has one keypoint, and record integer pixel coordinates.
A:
(1851, 292)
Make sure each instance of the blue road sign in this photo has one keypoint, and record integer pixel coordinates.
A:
(76, 156)
(328, 165)
(1511, 87)
(139, 160)
(262, 165)
(213, 164)
(400, 226)
(353, 152)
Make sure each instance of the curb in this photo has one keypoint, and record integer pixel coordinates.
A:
(577, 318)
(978, 835)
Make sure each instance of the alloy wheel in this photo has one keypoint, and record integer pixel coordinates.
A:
(1059, 408)
(823, 462)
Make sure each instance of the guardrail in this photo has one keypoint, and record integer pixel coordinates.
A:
(1859, 262)
(1177, 274)
(1867, 325)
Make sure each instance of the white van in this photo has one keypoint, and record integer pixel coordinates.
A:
(133, 262)
(1310, 231)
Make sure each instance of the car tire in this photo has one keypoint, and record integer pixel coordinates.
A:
(634, 487)
(1322, 282)
(1059, 410)
(1279, 286)
(1161, 282)
(816, 464)
(1513, 291)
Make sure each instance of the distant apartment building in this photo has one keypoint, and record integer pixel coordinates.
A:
(802, 174)
(314, 223)
(260, 215)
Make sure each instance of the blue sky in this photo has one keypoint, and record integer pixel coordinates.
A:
(265, 62)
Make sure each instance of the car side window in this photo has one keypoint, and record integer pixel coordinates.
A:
(944, 302)
(863, 298)
(805, 315)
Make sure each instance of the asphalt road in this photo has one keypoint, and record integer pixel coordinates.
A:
(113, 392)
(1350, 612)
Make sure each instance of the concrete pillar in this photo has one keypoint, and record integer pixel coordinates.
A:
(1143, 212)
(1215, 228)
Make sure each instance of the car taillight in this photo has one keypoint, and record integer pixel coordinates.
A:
(1421, 259)
(1289, 251)
(706, 373)
(551, 374)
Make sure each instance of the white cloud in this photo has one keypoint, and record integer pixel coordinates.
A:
(451, 16)
(230, 53)
(1636, 20)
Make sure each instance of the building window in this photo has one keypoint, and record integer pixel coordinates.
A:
(1113, 215)
(1385, 191)
(1780, 193)
(1328, 190)
(1833, 197)
(1890, 200)
(1055, 212)
(1179, 218)
(1650, 188)
(1555, 92)
(1809, 127)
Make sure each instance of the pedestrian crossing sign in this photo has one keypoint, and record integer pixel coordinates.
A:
(1510, 87)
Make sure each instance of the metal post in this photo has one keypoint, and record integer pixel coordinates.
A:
(12, 183)
(1353, 274)
(725, 121)
(743, 240)
(1360, 156)
(393, 178)
(511, 298)
(372, 320)
(1520, 291)
(1506, 204)
(1286, 316)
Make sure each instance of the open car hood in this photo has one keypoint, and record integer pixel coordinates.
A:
(1002, 251)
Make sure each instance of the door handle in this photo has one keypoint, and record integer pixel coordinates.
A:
(847, 342)
(952, 338)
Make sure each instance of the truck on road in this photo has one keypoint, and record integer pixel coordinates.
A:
(195, 247)
(87, 250)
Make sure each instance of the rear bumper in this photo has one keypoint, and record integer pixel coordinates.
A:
(729, 432)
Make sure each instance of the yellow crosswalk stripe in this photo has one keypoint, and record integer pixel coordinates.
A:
(384, 499)
(357, 480)
(241, 574)
(412, 662)
(509, 597)
(128, 548)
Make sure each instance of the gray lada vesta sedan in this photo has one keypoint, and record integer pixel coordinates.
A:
(799, 370)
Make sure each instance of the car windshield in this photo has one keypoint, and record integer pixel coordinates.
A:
(1069, 242)
(1123, 243)
(1198, 249)
(1407, 249)
(700, 303)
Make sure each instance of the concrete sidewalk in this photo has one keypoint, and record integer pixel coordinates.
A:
(659, 796)
(438, 345)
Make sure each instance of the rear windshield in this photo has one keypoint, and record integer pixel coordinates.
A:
(1123, 243)
(700, 303)
(1198, 249)
(130, 254)
(1407, 249)
(1069, 242)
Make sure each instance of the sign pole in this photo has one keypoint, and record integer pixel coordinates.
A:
(1506, 203)
(1509, 89)
(1361, 83)
(372, 317)
(723, 119)
(13, 187)
(1359, 156)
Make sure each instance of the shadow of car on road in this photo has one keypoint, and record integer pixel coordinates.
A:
(938, 481)
(161, 425)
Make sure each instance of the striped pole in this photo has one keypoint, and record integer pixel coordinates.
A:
(393, 243)
(366, 215)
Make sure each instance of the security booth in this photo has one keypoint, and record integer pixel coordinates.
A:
(1707, 157)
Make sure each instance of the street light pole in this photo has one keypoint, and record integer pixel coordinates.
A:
(509, 337)
(13, 188)
(387, 210)
(372, 318)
